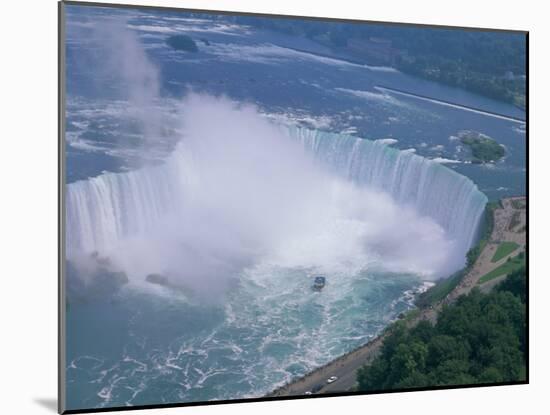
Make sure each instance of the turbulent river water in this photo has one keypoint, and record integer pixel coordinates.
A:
(237, 175)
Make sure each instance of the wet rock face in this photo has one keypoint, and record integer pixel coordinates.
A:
(158, 279)
(164, 281)
(182, 43)
(96, 280)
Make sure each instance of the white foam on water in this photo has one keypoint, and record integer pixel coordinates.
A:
(205, 27)
(381, 68)
(300, 118)
(377, 97)
(349, 130)
(443, 160)
(268, 53)
(387, 141)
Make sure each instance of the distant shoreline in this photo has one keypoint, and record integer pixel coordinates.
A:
(340, 58)
(367, 65)
(451, 104)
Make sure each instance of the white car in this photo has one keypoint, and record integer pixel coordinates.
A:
(332, 379)
(308, 393)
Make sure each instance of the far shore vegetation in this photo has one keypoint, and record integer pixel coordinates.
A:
(487, 63)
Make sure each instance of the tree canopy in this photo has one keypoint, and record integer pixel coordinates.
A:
(478, 339)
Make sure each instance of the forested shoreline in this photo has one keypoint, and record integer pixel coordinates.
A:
(481, 338)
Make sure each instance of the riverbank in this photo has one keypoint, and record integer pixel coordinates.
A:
(450, 104)
(509, 225)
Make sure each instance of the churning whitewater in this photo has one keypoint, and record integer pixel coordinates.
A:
(239, 191)
(206, 192)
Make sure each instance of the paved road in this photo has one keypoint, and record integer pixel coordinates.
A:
(344, 368)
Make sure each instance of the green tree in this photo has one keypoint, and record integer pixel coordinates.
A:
(452, 372)
(423, 331)
(443, 347)
(478, 339)
(515, 282)
(373, 377)
(490, 375)
(407, 359)
(415, 380)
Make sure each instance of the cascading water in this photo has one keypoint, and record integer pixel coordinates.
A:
(106, 209)
(449, 198)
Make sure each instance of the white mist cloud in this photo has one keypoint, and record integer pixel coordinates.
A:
(244, 194)
(124, 68)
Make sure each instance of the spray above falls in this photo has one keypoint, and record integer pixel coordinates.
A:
(239, 190)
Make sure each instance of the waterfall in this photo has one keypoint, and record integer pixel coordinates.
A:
(105, 209)
(446, 196)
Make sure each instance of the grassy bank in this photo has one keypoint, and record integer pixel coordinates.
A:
(504, 249)
(510, 266)
(444, 286)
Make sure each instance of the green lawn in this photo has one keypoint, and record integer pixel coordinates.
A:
(505, 269)
(504, 249)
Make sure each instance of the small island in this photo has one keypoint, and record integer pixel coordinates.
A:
(182, 42)
(484, 149)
